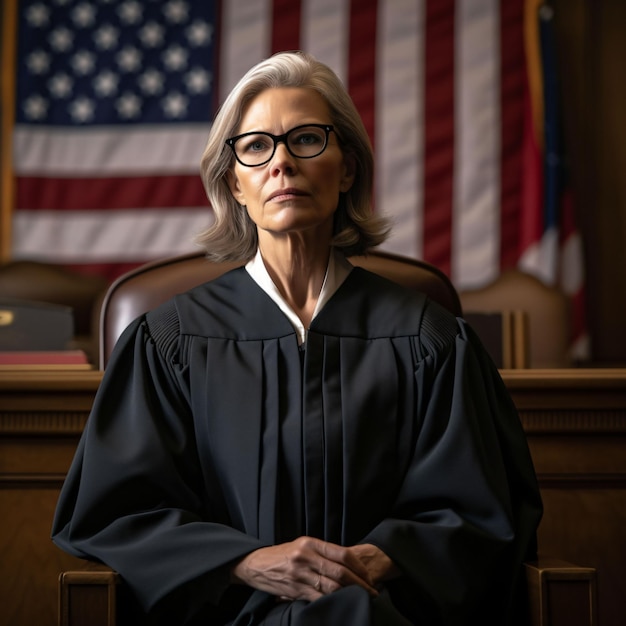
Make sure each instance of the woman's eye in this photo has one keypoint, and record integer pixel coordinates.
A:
(256, 144)
(307, 139)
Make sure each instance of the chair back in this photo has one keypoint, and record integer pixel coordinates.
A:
(145, 287)
(504, 334)
(547, 311)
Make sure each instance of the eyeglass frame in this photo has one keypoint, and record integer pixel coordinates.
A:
(327, 128)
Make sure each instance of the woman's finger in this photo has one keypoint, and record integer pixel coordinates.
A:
(305, 568)
(341, 568)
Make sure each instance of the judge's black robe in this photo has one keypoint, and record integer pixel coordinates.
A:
(214, 434)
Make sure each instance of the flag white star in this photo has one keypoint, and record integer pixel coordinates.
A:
(83, 62)
(37, 15)
(151, 34)
(175, 58)
(129, 59)
(61, 39)
(130, 12)
(128, 106)
(174, 105)
(60, 85)
(84, 15)
(176, 11)
(199, 33)
(198, 80)
(38, 62)
(82, 109)
(35, 107)
(151, 82)
(106, 37)
(105, 84)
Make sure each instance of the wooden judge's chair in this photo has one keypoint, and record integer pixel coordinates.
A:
(559, 593)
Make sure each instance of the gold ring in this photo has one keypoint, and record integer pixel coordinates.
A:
(318, 584)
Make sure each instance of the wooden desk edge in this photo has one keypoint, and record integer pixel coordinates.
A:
(587, 378)
(584, 378)
(53, 380)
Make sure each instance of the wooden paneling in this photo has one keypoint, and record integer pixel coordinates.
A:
(591, 48)
(575, 421)
(41, 417)
(576, 426)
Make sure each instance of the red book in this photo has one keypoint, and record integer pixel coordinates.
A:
(43, 359)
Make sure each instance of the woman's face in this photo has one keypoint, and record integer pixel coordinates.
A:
(290, 194)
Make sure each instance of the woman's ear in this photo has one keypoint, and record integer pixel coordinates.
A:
(235, 189)
(349, 173)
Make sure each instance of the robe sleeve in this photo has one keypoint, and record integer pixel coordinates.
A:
(131, 499)
(466, 515)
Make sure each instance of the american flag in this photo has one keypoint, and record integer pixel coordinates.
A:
(115, 97)
(114, 101)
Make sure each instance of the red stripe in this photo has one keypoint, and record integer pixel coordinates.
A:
(439, 132)
(512, 80)
(531, 222)
(362, 66)
(286, 16)
(138, 192)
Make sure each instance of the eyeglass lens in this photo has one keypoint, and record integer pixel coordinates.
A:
(304, 142)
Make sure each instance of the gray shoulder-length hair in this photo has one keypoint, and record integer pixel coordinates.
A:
(233, 236)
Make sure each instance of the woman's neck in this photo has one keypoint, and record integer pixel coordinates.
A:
(298, 272)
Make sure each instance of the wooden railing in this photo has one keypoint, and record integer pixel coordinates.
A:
(575, 421)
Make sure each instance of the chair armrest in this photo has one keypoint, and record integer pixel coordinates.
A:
(561, 594)
(88, 596)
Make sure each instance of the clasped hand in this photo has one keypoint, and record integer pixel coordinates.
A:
(308, 568)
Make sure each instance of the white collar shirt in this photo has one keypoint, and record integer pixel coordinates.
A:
(336, 272)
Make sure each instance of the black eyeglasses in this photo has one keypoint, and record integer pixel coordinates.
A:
(257, 148)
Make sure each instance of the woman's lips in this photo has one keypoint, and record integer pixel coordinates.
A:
(285, 194)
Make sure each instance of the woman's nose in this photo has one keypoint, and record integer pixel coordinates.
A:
(283, 160)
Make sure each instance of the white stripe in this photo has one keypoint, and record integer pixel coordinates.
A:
(106, 236)
(476, 195)
(245, 39)
(399, 122)
(117, 150)
(540, 259)
(325, 31)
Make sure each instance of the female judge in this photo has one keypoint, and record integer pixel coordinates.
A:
(300, 441)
